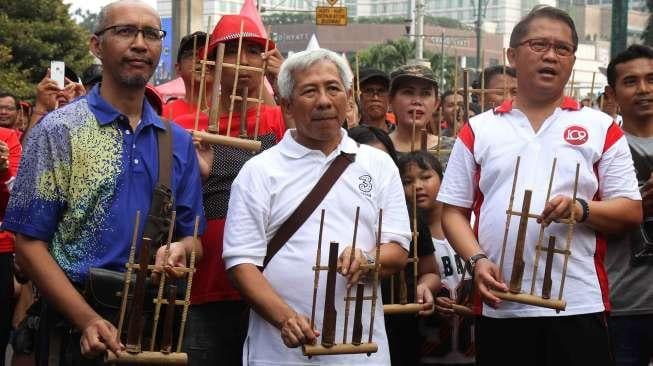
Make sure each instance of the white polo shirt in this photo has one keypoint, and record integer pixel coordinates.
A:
(480, 176)
(267, 190)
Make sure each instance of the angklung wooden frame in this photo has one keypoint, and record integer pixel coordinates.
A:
(327, 342)
(168, 353)
(212, 136)
(515, 293)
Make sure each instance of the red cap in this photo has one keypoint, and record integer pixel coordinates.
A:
(155, 99)
(228, 29)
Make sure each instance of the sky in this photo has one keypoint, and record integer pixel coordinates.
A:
(94, 6)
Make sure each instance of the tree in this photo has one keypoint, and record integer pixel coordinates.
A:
(388, 55)
(394, 53)
(32, 33)
(87, 19)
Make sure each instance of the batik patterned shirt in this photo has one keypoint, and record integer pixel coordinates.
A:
(85, 174)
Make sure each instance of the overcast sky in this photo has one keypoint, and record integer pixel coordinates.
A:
(94, 6)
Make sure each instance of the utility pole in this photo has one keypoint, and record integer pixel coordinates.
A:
(481, 6)
(442, 60)
(619, 27)
(419, 29)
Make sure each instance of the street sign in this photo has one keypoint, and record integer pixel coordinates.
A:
(331, 15)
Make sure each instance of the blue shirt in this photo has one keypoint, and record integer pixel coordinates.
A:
(84, 175)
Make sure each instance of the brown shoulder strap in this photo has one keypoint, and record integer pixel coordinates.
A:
(165, 154)
(308, 205)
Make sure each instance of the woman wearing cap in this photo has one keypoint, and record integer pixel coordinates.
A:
(413, 98)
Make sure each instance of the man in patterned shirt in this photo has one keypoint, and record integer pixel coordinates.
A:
(88, 168)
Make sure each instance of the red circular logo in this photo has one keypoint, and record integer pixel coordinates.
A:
(576, 135)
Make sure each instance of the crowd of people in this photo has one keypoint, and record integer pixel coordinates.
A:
(78, 164)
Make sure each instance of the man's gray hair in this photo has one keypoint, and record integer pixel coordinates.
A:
(303, 60)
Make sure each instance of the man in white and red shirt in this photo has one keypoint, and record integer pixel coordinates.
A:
(539, 126)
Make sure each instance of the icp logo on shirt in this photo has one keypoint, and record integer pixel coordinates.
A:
(575, 135)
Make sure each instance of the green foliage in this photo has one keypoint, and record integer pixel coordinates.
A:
(32, 33)
(394, 53)
(88, 19)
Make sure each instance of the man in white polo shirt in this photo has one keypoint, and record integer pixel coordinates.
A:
(540, 125)
(314, 87)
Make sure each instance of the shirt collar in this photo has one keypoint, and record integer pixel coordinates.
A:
(568, 103)
(293, 149)
(105, 113)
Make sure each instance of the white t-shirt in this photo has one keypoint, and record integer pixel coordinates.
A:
(480, 175)
(448, 340)
(267, 190)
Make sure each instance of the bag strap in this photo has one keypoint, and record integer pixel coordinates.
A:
(164, 138)
(308, 205)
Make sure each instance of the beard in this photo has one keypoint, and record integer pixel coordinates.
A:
(133, 81)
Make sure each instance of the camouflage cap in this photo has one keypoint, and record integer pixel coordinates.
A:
(411, 72)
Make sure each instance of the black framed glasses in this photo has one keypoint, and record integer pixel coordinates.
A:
(540, 45)
(131, 31)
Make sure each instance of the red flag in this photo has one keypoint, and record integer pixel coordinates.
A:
(249, 10)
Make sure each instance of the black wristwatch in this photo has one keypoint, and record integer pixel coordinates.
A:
(586, 209)
(471, 262)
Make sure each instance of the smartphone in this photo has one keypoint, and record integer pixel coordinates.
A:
(57, 72)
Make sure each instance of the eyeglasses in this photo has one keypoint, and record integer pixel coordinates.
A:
(130, 32)
(540, 45)
(371, 92)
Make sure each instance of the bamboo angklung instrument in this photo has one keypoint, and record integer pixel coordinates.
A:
(514, 294)
(358, 82)
(505, 81)
(592, 88)
(166, 356)
(192, 80)
(200, 95)
(546, 285)
(571, 85)
(261, 87)
(213, 136)
(243, 113)
(465, 98)
(518, 261)
(316, 279)
(328, 345)
(570, 234)
(128, 273)
(404, 306)
(136, 320)
(540, 238)
(162, 283)
(357, 333)
(216, 93)
(455, 95)
(351, 260)
(508, 214)
(330, 314)
(481, 81)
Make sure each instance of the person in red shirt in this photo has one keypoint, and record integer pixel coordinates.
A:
(184, 69)
(217, 322)
(10, 151)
